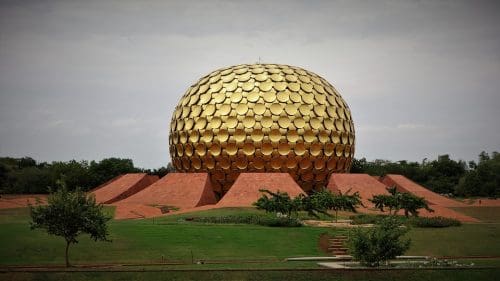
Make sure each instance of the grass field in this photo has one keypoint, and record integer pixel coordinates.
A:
(240, 247)
(148, 241)
(484, 214)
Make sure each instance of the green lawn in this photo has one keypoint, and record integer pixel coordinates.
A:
(484, 214)
(173, 239)
(466, 240)
(149, 240)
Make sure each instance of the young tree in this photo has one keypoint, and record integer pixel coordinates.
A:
(396, 201)
(378, 244)
(411, 203)
(325, 200)
(69, 214)
(382, 201)
(279, 202)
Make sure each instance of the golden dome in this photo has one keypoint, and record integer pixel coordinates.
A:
(262, 118)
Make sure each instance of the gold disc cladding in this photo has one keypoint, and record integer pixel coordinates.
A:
(257, 135)
(266, 122)
(266, 86)
(269, 96)
(275, 135)
(292, 136)
(241, 109)
(236, 97)
(283, 96)
(231, 122)
(284, 122)
(276, 108)
(259, 108)
(248, 122)
(253, 96)
(239, 135)
(225, 109)
(262, 117)
(290, 109)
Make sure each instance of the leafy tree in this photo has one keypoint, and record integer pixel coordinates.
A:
(69, 214)
(371, 246)
(396, 201)
(109, 168)
(279, 202)
(483, 179)
(325, 200)
(411, 203)
(382, 201)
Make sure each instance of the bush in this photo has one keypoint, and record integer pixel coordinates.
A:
(412, 221)
(250, 219)
(371, 246)
(373, 219)
(434, 222)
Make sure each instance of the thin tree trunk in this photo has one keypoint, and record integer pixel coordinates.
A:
(67, 257)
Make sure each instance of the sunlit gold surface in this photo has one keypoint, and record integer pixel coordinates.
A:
(262, 118)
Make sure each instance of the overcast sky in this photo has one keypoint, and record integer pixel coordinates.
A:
(95, 79)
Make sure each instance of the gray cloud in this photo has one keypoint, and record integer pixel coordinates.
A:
(92, 79)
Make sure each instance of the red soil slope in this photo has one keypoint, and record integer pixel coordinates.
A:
(21, 201)
(135, 211)
(366, 185)
(245, 189)
(123, 187)
(403, 184)
(180, 190)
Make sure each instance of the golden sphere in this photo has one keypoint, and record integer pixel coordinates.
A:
(262, 118)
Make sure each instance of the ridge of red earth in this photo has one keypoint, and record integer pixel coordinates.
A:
(403, 184)
(122, 187)
(245, 190)
(368, 186)
(106, 183)
(178, 190)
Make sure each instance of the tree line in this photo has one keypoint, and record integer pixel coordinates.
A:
(26, 175)
(443, 175)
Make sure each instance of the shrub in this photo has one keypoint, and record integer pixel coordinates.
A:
(434, 222)
(250, 219)
(371, 246)
(373, 219)
(412, 221)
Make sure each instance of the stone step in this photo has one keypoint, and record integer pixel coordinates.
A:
(340, 249)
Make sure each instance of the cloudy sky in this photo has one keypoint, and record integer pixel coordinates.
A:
(96, 79)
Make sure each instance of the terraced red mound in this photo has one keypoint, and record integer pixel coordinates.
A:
(366, 185)
(245, 189)
(122, 187)
(403, 184)
(180, 190)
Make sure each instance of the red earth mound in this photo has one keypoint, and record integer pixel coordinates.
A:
(364, 184)
(122, 187)
(245, 189)
(180, 190)
(403, 184)
(367, 186)
(10, 201)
